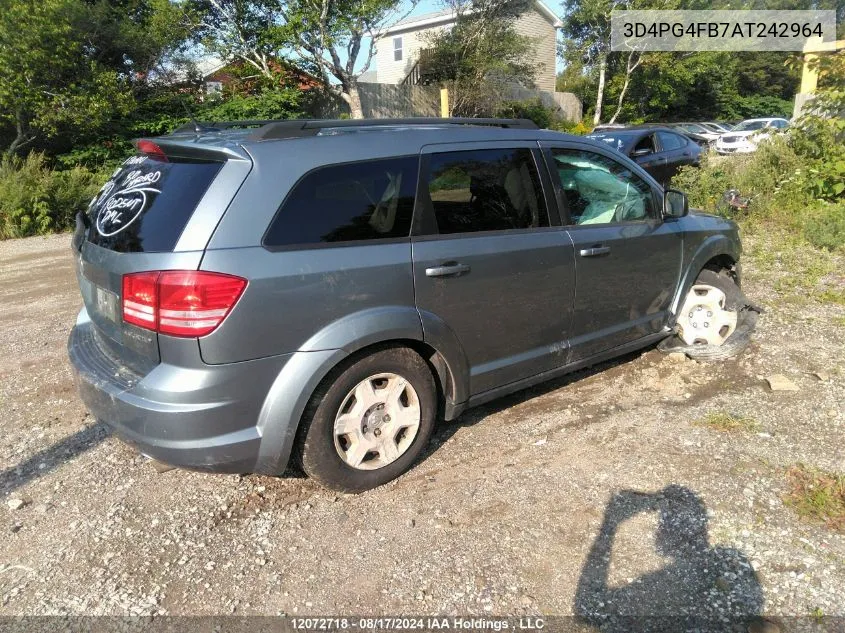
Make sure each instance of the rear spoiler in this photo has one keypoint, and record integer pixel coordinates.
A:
(189, 149)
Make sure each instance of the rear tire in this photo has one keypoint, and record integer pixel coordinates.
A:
(368, 421)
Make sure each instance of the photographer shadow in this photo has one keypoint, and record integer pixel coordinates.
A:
(701, 588)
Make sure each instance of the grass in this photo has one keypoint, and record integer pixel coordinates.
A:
(832, 295)
(799, 274)
(818, 615)
(727, 422)
(816, 495)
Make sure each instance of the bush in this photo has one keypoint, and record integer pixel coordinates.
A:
(531, 109)
(35, 199)
(284, 103)
(546, 118)
(779, 183)
(764, 176)
(579, 128)
(161, 113)
(825, 227)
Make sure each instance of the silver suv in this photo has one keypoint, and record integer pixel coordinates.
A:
(326, 290)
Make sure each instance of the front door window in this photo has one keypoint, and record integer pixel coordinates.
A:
(599, 190)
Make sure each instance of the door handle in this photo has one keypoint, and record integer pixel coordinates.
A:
(447, 269)
(595, 251)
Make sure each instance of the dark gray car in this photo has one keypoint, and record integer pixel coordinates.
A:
(327, 289)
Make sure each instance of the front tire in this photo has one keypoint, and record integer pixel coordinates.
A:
(369, 421)
(708, 315)
(730, 319)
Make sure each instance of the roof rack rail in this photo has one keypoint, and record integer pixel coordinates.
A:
(293, 128)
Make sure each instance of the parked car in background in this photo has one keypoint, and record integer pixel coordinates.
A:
(720, 128)
(745, 137)
(659, 150)
(609, 126)
(705, 143)
(698, 129)
(326, 290)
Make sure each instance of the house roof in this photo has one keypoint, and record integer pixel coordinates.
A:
(210, 65)
(444, 17)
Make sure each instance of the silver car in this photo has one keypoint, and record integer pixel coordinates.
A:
(326, 290)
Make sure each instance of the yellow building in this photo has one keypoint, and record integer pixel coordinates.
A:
(810, 74)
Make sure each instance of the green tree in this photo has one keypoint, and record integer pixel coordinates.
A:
(72, 67)
(326, 37)
(678, 85)
(586, 29)
(481, 55)
(243, 30)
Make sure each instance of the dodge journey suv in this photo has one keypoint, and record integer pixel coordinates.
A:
(323, 291)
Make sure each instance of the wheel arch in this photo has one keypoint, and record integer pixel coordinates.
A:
(351, 338)
(716, 253)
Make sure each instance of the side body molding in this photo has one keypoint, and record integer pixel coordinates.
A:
(713, 246)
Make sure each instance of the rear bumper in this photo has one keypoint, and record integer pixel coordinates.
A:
(202, 418)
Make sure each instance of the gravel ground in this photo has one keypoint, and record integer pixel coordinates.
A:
(593, 493)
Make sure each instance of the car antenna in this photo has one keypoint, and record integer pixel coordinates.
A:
(199, 128)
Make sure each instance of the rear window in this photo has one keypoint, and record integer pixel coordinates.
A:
(147, 202)
(351, 202)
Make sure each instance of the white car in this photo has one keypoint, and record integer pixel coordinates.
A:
(743, 139)
(697, 129)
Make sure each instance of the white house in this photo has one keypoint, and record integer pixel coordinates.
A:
(398, 47)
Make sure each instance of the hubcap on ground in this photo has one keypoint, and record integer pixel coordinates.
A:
(704, 319)
(377, 422)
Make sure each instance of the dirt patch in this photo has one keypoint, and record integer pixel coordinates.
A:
(505, 514)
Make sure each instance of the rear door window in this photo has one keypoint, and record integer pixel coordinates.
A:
(146, 204)
(369, 200)
(646, 144)
(486, 190)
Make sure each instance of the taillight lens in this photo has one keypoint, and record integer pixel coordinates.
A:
(185, 303)
(140, 298)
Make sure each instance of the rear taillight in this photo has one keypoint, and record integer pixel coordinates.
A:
(180, 302)
(140, 298)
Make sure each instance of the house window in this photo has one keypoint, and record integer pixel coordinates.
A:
(397, 49)
(213, 88)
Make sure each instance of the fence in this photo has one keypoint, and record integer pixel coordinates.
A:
(381, 101)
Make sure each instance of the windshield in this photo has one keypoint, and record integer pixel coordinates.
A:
(694, 127)
(747, 126)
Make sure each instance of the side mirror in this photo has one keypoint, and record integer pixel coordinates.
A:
(643, 151)
(675, 204)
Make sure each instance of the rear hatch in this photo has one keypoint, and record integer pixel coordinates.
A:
(156, 212)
